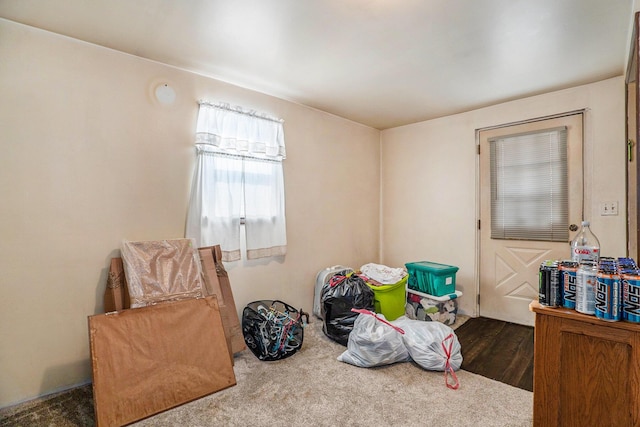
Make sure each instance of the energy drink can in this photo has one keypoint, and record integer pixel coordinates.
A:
(608, 296)
(631, 297)
(549, 284)
(627, 263)
(568, 271)
(586, 278)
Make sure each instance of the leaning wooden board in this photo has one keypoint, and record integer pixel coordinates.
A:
(220, 279)
(150, 359)
(216, 278)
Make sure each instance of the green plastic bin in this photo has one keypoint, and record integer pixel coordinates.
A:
(432, 278)
(390, 300)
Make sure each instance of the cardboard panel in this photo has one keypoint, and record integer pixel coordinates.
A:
(153, 358)
(230, 311)
(162, 270)
(116, 295)
(212, 284)
(212, 287)
(216, 282)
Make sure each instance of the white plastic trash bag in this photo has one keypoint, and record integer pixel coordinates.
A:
(432, 345)
(374, 342)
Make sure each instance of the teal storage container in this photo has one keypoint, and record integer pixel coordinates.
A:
(432, 278)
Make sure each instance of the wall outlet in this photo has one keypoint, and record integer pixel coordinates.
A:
(608, 208)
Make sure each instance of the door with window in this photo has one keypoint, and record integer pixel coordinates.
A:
(531, 196)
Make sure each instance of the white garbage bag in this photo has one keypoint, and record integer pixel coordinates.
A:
(432, 345)
(374, 342)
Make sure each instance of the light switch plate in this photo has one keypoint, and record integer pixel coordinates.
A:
(608, 208)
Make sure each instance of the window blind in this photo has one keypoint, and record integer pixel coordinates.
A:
(529, 186)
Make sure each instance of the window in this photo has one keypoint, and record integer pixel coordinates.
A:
(238, 180)
(529, 195)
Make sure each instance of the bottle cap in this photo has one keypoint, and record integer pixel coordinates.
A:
(585, 223)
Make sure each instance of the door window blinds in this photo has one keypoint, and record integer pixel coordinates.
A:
(529, 176)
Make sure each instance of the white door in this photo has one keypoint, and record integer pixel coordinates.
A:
(509, 267)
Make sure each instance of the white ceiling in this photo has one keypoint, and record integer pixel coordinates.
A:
(383, 63)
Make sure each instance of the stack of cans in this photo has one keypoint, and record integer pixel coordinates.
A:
(569, 270)
(549, 290)
(557, 283)
(586, 278)
(630, 275)
(610, 289)
(608, 295)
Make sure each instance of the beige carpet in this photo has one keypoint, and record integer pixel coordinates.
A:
(311, 388)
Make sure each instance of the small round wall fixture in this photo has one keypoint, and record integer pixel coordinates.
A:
(165, 94)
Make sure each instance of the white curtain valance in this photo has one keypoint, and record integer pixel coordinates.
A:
(232, 130)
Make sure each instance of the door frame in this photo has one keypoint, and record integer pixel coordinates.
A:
(584, 112)
(632, 129)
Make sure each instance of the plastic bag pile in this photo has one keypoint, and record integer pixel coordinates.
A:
(374, 341)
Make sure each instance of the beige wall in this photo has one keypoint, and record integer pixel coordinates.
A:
(89, 158)
(429, 176)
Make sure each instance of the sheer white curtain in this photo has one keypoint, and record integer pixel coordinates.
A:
(215, 208)
(238, 175)
(265, 224)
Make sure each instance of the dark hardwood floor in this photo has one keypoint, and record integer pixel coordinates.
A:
(498, 350)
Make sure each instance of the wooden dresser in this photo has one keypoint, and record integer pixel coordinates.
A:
(586, 371)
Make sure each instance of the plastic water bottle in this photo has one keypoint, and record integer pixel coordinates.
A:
(585, 246)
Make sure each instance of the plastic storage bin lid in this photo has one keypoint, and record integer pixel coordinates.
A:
(431, 266)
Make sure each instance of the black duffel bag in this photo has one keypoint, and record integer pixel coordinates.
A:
(273, 330)
(339, 295)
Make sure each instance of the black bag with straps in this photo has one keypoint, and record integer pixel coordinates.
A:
(273, 329)
(339, 296)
